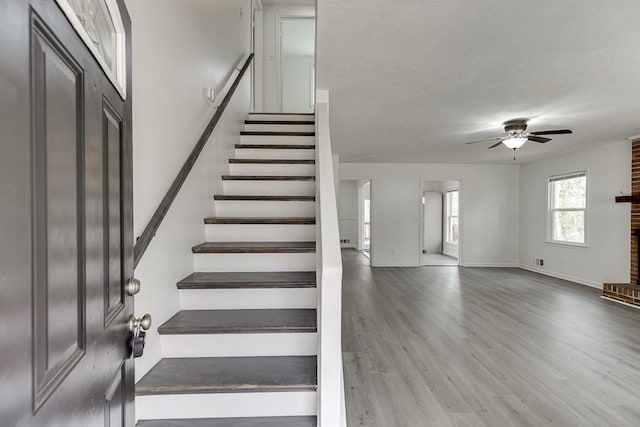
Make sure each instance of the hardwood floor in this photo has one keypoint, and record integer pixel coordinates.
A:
(429, 346)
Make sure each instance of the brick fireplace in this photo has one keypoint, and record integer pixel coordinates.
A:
(630, 292)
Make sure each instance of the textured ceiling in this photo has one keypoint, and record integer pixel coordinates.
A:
(412, 80)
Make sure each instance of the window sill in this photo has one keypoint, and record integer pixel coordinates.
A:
(566, 244)
(451, 243)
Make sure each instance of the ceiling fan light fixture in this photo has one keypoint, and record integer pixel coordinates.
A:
(515, 142)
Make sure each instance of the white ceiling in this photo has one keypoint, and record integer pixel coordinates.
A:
(412, 80)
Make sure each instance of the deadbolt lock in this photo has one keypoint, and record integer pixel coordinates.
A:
(133, 286)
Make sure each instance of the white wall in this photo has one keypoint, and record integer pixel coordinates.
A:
(606, 259)
(271, 70)
(488, 200)
(348, 213)
(170, 69)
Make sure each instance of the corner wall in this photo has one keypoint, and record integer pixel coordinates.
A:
(489, 197)
(179, 48)
(606, 257)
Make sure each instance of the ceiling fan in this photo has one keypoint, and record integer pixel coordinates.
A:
(516, 135)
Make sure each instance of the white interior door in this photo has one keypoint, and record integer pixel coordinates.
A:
(297, 64)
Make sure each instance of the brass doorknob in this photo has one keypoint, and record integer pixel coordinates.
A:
(143, 322)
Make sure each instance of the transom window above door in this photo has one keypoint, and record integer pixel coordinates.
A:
(99, 25)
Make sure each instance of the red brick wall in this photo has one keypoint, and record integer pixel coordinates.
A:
(635, 207)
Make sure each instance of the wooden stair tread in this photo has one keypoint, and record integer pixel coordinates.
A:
(274, 161)
(275, 133)
(268, 178)
(230, 375)
(271, 220)
(254, 247)
(278, 146)
(240, 321)
(279, 122)
(265, 198)
(233, 422)
(249, 280)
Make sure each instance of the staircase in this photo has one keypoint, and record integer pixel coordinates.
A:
(243, 349)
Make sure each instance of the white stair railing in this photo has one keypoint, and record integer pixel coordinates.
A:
(331, 407)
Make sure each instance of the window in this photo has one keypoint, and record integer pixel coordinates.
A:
(451, 209)
(99, 25)
(366, 226)
(567, 208)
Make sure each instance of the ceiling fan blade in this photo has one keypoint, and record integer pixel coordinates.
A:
(495, 145)
(552, 132)
(539, 139)
(486, 139)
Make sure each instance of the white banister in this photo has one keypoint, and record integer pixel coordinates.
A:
(331, 412)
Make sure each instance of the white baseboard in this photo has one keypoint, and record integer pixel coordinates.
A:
(491, 264)
(396, 265)
(570, 278)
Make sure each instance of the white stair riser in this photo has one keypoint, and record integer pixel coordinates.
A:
(247, 299)
(271, 169)
(270, 188)
(254, 262)
(285, 154)
(240, 345)
(256, 208)
(223, 405)
(287, 117)
(277, 139)
(260, 233)
(279, 128)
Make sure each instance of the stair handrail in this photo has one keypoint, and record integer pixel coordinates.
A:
(331, 404)
(149, 232)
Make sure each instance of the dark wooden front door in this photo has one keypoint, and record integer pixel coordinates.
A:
(66, 227)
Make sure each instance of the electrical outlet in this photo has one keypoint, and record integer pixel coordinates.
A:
(541, 261)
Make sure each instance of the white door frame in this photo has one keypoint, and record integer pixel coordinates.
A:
(460, 218)
(279, 19)
(257, 47)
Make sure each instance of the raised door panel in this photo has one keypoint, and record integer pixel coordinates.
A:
(112, 151)
(58, 237)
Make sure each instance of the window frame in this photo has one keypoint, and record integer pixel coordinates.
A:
(550, 209)
(448, 217)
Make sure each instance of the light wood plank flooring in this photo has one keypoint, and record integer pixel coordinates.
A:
(431, 346)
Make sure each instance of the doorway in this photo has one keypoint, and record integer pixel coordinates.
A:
(364, 202)
(297, 64)
(440, 223)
